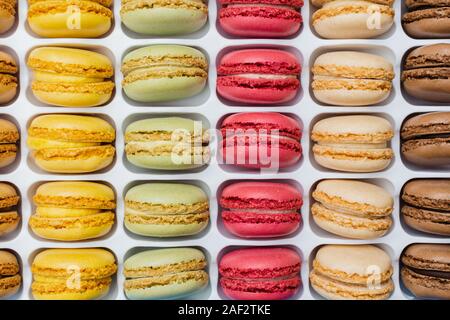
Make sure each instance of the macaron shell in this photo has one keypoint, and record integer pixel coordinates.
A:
(352, 25)
(72, 99)
(350, 263)
(355, 98)
(9, 221)
(94, 291)
(427, 152)
(428, 193)
(91, 25)
(428, 28)
(169, 291)
(423, 286)
(349, 226)
(164, 89)
(336, 290)
(175, 19)
(163, 162)
(9, 286)
(429, 221)
(166, 230)
(267, 95)
(249, 295)
(72, 164)
(88, 259)
(354, 197)
(357, 163)
(72, 229)
(7, 17)
(436, 90)
(267, 22)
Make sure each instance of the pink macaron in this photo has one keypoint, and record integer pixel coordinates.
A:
(265, 273)
(258, 76)
(260, 18)
(260, 140)
(261, 209)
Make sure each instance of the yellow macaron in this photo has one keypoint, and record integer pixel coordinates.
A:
(72, 274)
(65, 143)
(73, 210)
(70, 18)
(70, 77)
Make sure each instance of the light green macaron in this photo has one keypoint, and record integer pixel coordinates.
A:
(161, 73)
(172, 143)
(165, 273)
(164, 17)
(166, 209)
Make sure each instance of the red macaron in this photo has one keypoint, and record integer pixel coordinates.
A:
(258, 76)
(260, 18)
(261, 209)
(260, 140)
(265, 273)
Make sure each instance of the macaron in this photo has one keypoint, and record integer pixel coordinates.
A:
(161, 73)
(166, 209)
(426, 205)
(426, 73)
(260, 140)
(258, 76)
(9, 216)
(427, 18)
(351, 78)
(355, 143)
(72, 274)
(264, 273)
(10, 279)
(70, 77)
(172, 143)
(257, 209)
(7, 14)
(171, 273)
(260, 18)
(65, 143)
(426, 141)
(352, 19)
(9, 136)
(72, 210)
(164, 17)
(352, 209)
(352, 272)
(70, 18)
(8, 76)
(425, 270)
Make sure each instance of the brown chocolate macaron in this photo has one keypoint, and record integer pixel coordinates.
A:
(10, 278)
(426, 73)
(426, 270)
(426, 140)
(426, 205)
(427, 18)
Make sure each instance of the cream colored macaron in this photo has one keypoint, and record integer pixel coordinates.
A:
(352, 209)
(355, 143)
(352, 272)
(351, 78)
